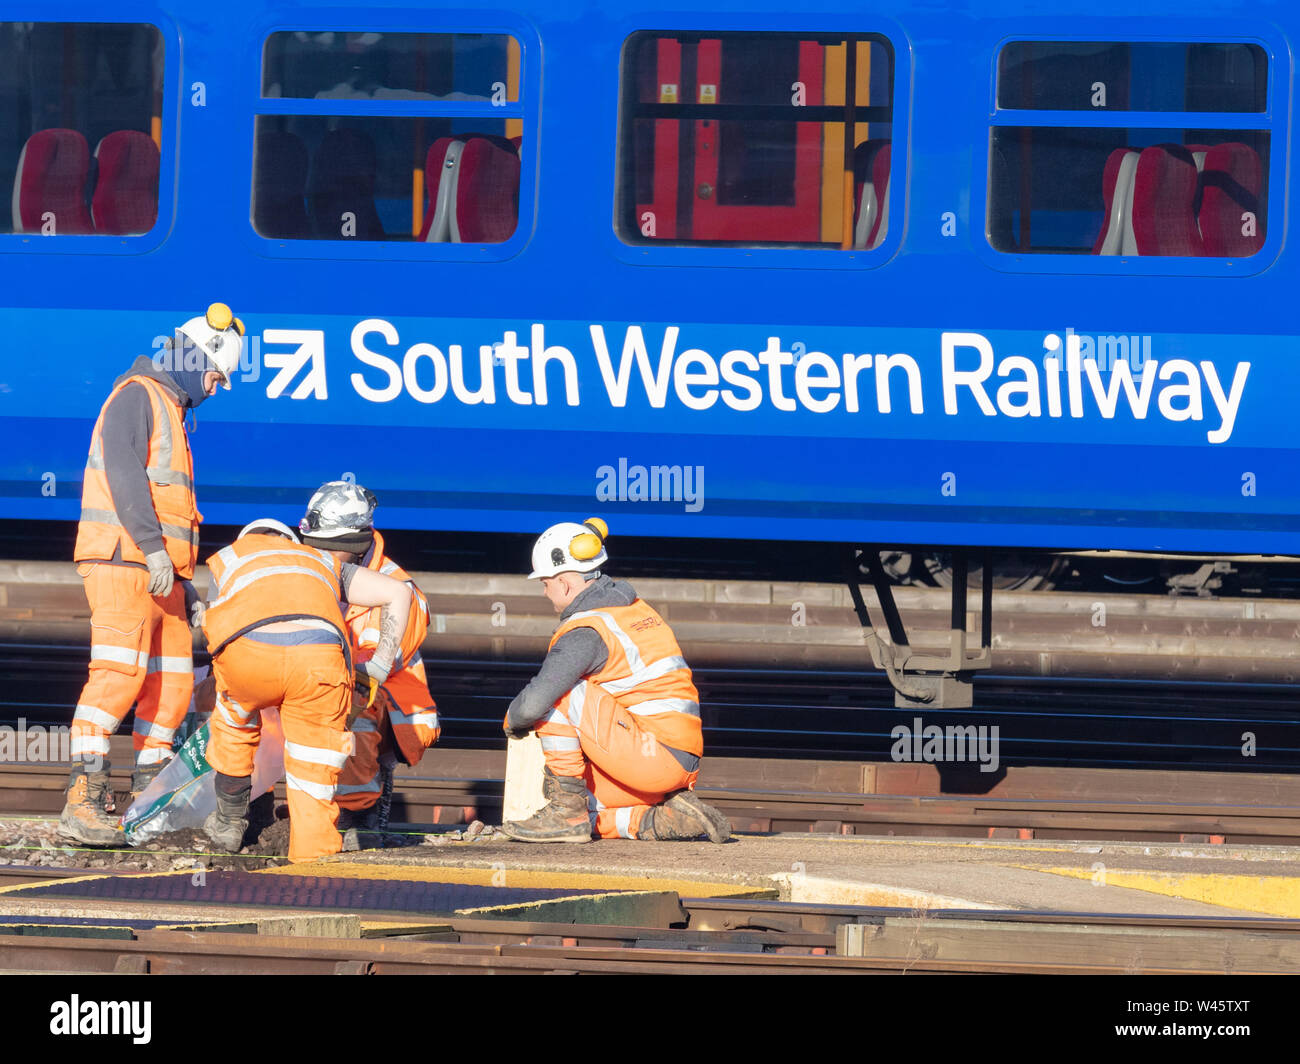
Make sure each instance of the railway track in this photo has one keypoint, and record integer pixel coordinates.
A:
(720, 937)
(453, 787)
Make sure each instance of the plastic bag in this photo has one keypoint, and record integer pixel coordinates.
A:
(185, 793)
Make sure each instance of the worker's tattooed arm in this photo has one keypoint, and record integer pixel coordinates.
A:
(365, 587)
(390, 635)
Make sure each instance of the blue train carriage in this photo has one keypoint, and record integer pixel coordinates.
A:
(880, 274)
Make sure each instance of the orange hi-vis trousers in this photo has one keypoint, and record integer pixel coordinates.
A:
(626, 767)
(312, 687)
(139, 654)
(402, 722)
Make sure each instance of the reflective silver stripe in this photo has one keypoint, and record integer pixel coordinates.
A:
(623, 821)
(322, 791)
(388, 568)
(415, 660)
(94, 715)
(153, 755)
(426, 718)
(368, 635)
(165, 664)
(232, 562)
(650, 672)
(371, 784)
(364, 724)
(226, 702)
(665, 705)
(90, 744)
(556, 717)
(109, 517)
(165, 475)
(557, 743)
(315, 755)
(275, 570)
(629, 648)
(577, 701)
(152, 730)
(121, 655)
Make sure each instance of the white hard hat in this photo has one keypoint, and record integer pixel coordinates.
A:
(220, 336)
(268, 524)
(339, 508)
(570, 548)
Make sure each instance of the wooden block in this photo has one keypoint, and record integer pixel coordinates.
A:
(524, 763)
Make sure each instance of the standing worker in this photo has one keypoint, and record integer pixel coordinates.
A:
(136, 548)
(614, 707)
(277, 638)
(402, 722)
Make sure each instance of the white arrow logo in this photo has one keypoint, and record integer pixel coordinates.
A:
(309, 347)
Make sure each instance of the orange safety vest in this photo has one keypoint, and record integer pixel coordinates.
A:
(364, 620)
(260, 579)
(644, 672)
(170, 469)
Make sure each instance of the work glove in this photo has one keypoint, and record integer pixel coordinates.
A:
(161, 573)
(194, 605)
(514, 733)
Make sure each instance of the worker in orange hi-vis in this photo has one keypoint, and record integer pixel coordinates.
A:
(614, 706)
(277, 637)
(137, 544)
(403, 721)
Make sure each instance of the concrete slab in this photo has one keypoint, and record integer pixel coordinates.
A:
(909, 873)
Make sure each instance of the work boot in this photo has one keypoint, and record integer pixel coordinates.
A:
(143, 776)
(564, 817)
(684, 816)
(84, 818)
(225, 827)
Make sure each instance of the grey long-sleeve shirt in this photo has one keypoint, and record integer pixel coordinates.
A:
(576, 654)
(128, 425)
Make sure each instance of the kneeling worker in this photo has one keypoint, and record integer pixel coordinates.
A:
(277, 637)
(614, 707)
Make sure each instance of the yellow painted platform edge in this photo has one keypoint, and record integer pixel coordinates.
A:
(1272, 895)
(515, 877)
(535, 902)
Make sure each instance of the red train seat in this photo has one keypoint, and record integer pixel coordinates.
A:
(126, 194)
(1116, 236)
(1229, 210)
(50, 184)
(1164, 197)
(871, 199)
(473, 190)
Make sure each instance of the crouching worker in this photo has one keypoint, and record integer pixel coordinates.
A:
(403, 721)
(277, 638)
(614, 707)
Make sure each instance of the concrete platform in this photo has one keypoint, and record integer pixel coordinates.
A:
(1172, 880)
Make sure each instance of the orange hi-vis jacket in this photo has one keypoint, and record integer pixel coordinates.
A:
(644, 673)
(259, 579)
(170, 469)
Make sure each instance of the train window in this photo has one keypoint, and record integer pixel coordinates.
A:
(1125, 176)
(1150, 76)
(740, 139)
(418, 138)
(80, 127)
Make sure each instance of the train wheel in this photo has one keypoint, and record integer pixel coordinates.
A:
(1011, 572)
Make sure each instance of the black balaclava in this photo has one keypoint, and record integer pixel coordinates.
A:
(190, 381)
